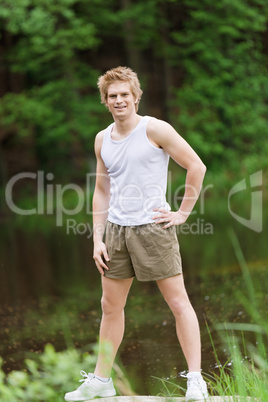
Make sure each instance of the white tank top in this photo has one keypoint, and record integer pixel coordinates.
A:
(138, 176)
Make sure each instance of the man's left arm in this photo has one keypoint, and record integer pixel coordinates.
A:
(164, 135)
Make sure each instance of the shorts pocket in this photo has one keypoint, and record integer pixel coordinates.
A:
(159, 241)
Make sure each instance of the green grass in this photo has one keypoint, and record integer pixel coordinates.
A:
(245, 372)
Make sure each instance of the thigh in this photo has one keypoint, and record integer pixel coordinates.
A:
(173, 288)
(115, 291)
(120, 264)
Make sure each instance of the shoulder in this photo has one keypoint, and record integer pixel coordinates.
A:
(155, 125)
(99, 136)
(160, 131)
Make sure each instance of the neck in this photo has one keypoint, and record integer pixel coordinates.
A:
(124, 125)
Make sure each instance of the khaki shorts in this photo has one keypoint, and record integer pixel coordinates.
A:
(148, 252)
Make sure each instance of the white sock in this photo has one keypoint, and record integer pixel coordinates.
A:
(103, 379)
(194, 374)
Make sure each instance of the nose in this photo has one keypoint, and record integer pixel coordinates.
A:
(118, 99)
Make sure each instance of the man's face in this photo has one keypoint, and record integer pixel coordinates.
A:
(120, 100)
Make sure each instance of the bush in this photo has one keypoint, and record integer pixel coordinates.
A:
(47, 378)
(50, 375)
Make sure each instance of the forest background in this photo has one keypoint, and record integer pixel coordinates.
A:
(202, 64)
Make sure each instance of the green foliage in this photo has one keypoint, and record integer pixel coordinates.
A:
(48, 31)
(50, 375)
(208, 54)
(223, 99)
(240, 375)
(54, 111)
(46, 378)
(58, 105)
(246, 372)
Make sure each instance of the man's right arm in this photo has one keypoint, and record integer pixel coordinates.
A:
(101, 200)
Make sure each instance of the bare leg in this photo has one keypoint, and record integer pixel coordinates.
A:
(114, 296)
(187, 327)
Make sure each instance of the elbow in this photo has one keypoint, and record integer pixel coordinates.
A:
(200, 168)
(203, 168)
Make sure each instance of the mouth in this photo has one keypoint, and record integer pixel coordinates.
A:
(120, 107)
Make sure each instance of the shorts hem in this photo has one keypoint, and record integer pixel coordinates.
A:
(161, 277)
(116, 277)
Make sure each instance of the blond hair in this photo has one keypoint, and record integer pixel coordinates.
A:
(120, 74)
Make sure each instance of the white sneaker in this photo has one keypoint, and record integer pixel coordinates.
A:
(91, 388)
(196, 389)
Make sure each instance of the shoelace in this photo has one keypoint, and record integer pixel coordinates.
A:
(87, 377)
(195, 381)
(196, 384)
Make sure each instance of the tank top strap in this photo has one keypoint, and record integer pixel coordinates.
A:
(146, 119)
(107, 132)
(106, 136)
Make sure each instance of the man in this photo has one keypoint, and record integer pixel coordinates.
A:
(129, 200)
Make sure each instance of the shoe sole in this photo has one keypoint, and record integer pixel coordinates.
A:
(104, 394)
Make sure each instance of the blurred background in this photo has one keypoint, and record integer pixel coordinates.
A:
(203, 68)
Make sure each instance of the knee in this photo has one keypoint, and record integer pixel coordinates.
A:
(179, 306)
(109, 307)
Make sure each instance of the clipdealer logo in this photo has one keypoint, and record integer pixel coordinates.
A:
(48, 192)
(255, 222)
(50, 201)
